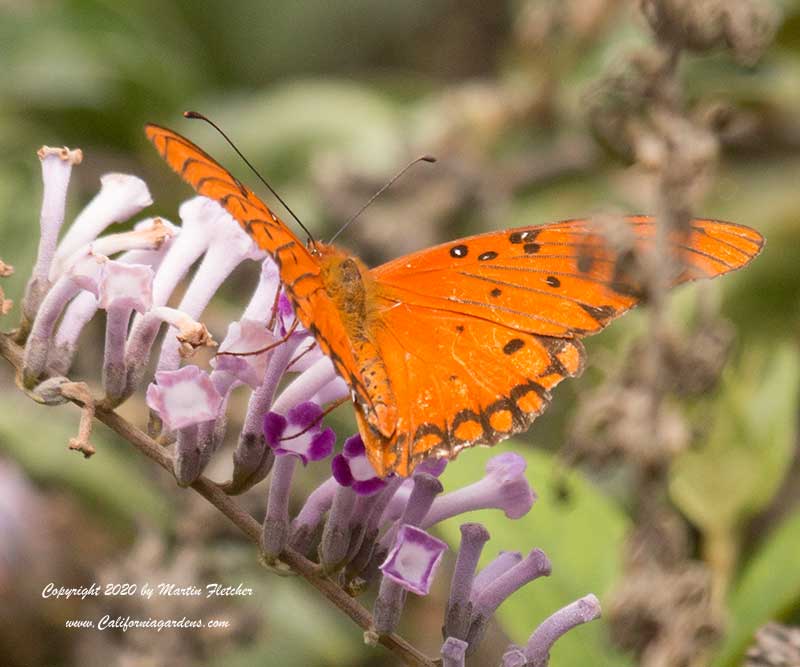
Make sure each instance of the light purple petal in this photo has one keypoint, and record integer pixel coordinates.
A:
(506, 466)
(413, 560)
(126, 286)
(184, 397)
(245, 336)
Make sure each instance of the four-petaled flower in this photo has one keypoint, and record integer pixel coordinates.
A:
(352, 468)
(184, 397)
(299, 433)
(414, 559)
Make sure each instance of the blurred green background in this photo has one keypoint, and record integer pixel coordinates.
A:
(328, 99)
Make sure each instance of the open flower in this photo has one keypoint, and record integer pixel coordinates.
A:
(352, 468)
(184, 397)
(125, 286)
(299, 433)
(414, 559)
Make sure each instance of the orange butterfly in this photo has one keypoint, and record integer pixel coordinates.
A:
(460, 344)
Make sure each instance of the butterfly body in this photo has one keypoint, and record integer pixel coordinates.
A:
(461, 344)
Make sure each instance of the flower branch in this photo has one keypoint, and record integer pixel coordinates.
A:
(248, 526)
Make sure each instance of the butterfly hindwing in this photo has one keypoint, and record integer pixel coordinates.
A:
(461, 382)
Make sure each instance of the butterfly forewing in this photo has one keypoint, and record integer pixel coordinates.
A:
(299, 269)
(560, 280)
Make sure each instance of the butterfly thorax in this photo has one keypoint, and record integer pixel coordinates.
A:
(351, 288)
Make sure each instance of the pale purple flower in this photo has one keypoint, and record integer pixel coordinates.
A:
(414, 559)
(504, 487)
(299, 433)
(537, 650)
(352, 468)
(184, 397)
(57, 166)
(125, 286)
(121, 196)
(229, 245)
(486, 602)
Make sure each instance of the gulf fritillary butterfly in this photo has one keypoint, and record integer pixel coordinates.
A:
(460, 344)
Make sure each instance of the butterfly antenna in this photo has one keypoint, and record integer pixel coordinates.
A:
(199, 116)
(421, 158)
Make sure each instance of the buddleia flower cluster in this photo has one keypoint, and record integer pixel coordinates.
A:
(362, 530)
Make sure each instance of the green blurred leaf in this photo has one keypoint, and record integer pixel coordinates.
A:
(580, 530)
(768, 589)
(748, 447)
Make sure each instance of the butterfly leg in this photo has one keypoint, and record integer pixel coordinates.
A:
(269, 347)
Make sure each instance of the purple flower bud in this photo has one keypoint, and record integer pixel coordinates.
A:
(504, 561)
(252, 458)
(275, 529)
(414, 559)
(310, 516)
(184, 397)
(399, 500)
(459, 608)
(299, 433)
(336, 534)
(504, 487)
(541, 641)
(352, 468)
(486, 602)
(454, 652)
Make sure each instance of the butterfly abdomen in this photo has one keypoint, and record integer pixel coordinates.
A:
(349, 285)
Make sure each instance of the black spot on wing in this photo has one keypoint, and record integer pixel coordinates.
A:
(553, 281)
(523, 235)
(514, 345)
(486, 256)
(459, 251)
